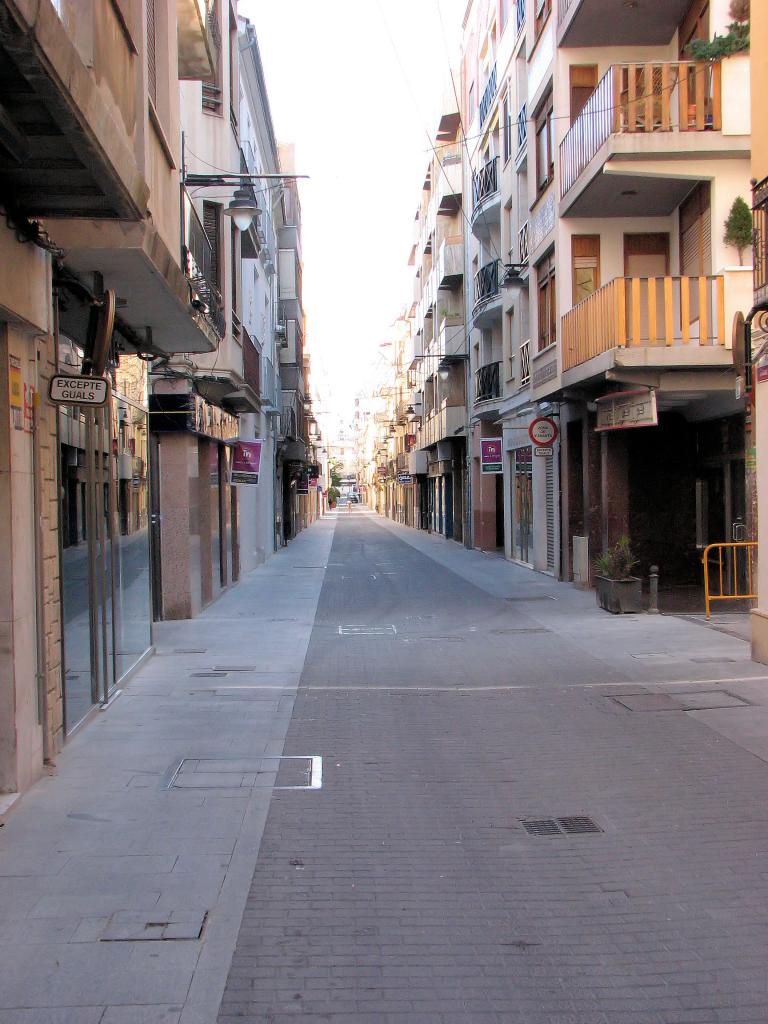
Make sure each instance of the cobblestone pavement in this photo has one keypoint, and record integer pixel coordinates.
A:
(408, 891)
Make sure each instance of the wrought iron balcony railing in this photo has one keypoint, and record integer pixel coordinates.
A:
(488, 382)
(488, 95)
(487, 281)
(485, 181)
(199, 267)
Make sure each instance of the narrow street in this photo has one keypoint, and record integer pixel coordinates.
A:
(408, 889)
(170, 870)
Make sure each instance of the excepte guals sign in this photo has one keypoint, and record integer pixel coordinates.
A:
(490, 455)
(79, 390)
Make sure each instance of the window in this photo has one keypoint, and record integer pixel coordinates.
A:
(235, 273)
(507, 128)
(545, 146)
(212, 90)
(543, 7)
(585, 260)
(583, 79)
(545, 279)
(696, 232)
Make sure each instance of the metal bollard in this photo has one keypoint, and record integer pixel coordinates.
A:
(653, 603)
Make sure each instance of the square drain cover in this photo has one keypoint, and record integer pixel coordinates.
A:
(578, 824)
(246, 773)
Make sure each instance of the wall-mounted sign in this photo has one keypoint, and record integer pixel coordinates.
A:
(246, 462)
(545, 453)
(543, 431)
(490, 455)
(404, 478)
(79, 390)
(302, 484)
(381, 470)
(626, 409)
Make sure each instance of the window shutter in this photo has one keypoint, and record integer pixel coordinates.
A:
(211, 227)
(151, 52)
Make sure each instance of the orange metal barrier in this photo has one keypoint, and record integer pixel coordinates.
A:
(733, 575)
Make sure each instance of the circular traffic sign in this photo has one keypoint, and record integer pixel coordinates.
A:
(543, 431)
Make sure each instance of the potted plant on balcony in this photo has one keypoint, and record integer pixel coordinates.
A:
(738, 228)
(618, 591)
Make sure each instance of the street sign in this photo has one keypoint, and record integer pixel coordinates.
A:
(79, 390)
(490, 455)
(546, 453)
(404, 478)
(543, 431)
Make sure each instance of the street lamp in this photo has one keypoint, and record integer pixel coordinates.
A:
(243, 209)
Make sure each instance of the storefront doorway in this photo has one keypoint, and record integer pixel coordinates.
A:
(104, 529)
(522, 504)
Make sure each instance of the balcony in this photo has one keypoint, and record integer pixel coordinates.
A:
(449, 183)
(646, 112)
(197, 48)
(522, 127)
(198, 266)
(449, 270)
(647, 322)
(489, 94)
(520, 16)
(442, 424)
(488, 382)
(486, 198)
(597, 23)
(487, 294)
(760, 240)
(452, 339)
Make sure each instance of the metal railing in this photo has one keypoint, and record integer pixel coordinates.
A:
(641, 99)
(485, 181)
(198, 257)
(729, 578)
(519, 16)
(522, 244)
(760, 239)
(488, 94)
(487, 281)
(488, 382)
(522, 126)
(524, 376)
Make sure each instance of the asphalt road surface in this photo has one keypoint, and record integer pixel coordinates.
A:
(409, 889)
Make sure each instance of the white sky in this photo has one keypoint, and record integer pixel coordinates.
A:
(359, 122)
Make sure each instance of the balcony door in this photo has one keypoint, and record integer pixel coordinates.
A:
(646, 255)
(695, 25)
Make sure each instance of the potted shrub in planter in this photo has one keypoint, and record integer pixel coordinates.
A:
(618, 591)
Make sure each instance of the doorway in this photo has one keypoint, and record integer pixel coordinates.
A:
(522, 495)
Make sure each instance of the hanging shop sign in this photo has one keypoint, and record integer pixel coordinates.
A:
(302, 484)
(623, 410)
(404, 478)
(79, 390)
(246, 460)
(381, 470)
(490, 455)
(543, 431)
(313, 483)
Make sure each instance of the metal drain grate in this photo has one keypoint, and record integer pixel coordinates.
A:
(234, 668)
(578, 824)
(538, 597)
(519, 629)
(218, 674)
(352, 630)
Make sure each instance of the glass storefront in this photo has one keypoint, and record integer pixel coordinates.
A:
(104, 525)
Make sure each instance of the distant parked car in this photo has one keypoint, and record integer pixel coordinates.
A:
(343, 500)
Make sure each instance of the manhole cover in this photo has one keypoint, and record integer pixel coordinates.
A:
(157, 926)
(578, 824)
(286, 772)
(353, 630)
(695, 700)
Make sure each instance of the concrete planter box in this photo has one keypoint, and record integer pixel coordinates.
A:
(619, 596)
